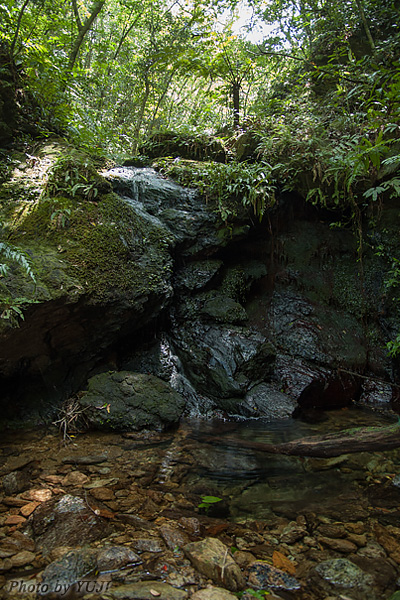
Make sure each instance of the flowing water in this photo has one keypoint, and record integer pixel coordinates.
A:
(201, 458)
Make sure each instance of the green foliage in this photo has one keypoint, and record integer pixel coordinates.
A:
(230, 186)
(208, 501)
(11, 308)
(259, 594)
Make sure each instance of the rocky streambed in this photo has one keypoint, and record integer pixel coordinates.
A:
(109, 516)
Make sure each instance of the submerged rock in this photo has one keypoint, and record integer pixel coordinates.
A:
(340, 576)
(131, 401)
(66, 521)
(263, 576)
(213, 559)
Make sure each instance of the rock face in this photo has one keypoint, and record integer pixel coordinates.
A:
(251, 320)
(131, 401)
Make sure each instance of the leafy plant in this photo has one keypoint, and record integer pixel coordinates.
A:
(208, 501)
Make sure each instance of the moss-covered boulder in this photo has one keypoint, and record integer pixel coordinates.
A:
(127, 401)
(101, 271)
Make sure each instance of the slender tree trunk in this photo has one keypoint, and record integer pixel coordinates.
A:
(361, 11)
(21, 14)
(83, 28)
(236, 104)
(141, 115)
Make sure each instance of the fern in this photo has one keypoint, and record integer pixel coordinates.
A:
(17, 256)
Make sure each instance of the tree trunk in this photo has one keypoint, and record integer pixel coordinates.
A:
(21, 13)
(367, 30)
(236, 104)
(82, 30)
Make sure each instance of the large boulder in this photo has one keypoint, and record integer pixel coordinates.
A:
(130, 401)
(101, 271)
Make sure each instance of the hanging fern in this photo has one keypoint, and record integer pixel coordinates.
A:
(12, 254)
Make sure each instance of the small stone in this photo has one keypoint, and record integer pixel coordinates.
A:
(141, 590)
(213, 593)
(292, 533)
(116, 557)
(213, 559)
(357, 539)
(6, 564)
(340, 576)
(102, 493)
(99, 483)
(75, 478)
(339, 545)
(15, 482)
(147, 545)
(42, 495)
(12, 501)
(372, 550)
(173, 537)
(23, 558)
(29, 508)
(264, 576)
(332, 530)
(14, 520)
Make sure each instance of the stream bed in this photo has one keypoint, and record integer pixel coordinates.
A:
(142, 491)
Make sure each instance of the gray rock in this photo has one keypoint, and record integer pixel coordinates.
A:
(264, 576)
(196, 275)
(340, 576)
(213, 559)
(62, 574)
(144, 589)
(266, 401)
(222, 361)
(15, 482)
(111, 558)
(131, 401)
(66, 521)
(213, 593)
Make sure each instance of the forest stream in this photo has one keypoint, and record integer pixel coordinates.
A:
(141, 515)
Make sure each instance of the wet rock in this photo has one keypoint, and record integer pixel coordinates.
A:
(213, 593)
(62, 574)
(66, 521)
(94, 459)
(263, 576)
(102, 493)
(146, 589)
(14, 520)
(147, 545)
(29, 508)
(266, 401)
(174, 538)
(131, 401)
(196, 275)
(292, 533)
(41, 495)
(115, 557)
(338, 545)
(223, 309)
(222, 361)
(23, 558)
(213, 559)
(317, 332)
(340, 576)
(14, 482)
(372, 550)
(75, 478)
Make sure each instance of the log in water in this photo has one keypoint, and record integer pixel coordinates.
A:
(358, 439)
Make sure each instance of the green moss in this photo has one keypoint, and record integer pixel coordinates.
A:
(79, 244)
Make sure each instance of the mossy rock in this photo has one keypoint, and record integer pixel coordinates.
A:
(125, 401)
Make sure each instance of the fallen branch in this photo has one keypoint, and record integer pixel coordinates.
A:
(359, 439)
